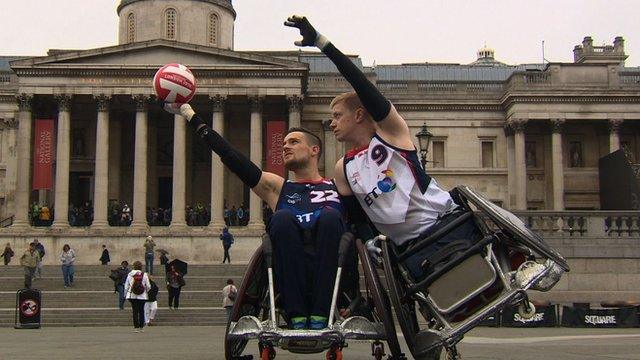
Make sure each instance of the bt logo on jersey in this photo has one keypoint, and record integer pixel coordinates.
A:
(383, 186)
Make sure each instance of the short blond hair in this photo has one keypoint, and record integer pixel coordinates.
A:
(351, 101)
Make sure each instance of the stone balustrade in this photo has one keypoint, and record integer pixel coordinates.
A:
(586, 224)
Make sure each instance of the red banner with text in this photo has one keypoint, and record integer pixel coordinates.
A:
(275, 137)
(43, 154)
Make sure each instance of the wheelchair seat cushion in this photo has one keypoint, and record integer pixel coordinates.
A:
(456, 241)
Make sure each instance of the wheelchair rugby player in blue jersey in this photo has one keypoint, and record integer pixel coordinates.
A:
(305, 237)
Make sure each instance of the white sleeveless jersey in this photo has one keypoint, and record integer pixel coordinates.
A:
(400, 199)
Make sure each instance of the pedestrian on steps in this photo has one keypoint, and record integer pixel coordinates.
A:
(136, 289)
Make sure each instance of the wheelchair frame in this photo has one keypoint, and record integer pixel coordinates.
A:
(253, 317)
(405, 293)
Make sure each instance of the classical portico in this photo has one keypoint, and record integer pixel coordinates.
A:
(237, 93)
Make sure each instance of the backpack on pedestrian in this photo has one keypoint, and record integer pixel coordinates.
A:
(233, 293)
(138, 287)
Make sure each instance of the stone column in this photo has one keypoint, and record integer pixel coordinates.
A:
(10, 159)
(179, 177)
(61, 207)
(511, 172)
(329, 147)
(520, 164)
(295, 108)
(140, 164)
(255, 203)
(217, 168)
(23, 177)
(557, 164)
(101, 176)
(614, 134)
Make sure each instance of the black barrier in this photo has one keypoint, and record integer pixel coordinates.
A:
(545, 316)
(600, 318)
(28, 309)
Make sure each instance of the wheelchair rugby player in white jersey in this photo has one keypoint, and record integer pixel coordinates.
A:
(454, 257)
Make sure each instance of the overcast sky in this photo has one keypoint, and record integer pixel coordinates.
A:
(384, 31)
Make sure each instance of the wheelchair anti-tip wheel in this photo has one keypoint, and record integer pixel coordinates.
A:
(334, 353)
(526, 309)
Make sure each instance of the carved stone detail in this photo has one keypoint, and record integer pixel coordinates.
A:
(142, 102)
(103, 102)
(295, 103)
(256, 103)
(218, 102)
(9, 123)
(614, 125)
(517, 125)
(25, 101)
(64, 102)
(557, 125)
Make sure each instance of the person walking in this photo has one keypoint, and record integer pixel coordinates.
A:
(104, 258)
(68, 257)
(151, 306)
(136, 288)
(7, 254)
(119, 276)
(227, 240)
(29, 262)
(149, 244)
(175, 282)
(229, 294)
(40, 249)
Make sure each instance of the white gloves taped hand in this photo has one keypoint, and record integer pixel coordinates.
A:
(184, 110)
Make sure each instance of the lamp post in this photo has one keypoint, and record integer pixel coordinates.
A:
(424, 138)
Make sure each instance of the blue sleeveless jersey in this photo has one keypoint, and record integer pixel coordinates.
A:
(306, 200)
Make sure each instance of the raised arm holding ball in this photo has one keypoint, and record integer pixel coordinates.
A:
(308, 205)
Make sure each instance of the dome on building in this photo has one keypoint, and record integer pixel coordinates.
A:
(200, 22)
(486, 57)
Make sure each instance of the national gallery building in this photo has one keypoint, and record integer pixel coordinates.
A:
(81, 129)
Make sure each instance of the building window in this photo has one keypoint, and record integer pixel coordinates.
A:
(438, 153)
(575, 154)
(170, 21)
(487, 154)
(131, 28)
(530, 156)
(213, 29)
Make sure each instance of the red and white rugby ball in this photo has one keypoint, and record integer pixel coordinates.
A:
(174, 83)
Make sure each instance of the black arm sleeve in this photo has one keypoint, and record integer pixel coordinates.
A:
(237, 162)
(375, 103)
(358, 220)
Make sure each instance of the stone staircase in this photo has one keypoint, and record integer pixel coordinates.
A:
(92, 301)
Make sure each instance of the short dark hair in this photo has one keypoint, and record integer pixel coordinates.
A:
(137, 265)
(312, 138)
(229, 281)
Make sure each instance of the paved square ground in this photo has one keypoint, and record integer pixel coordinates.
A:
(200, 342)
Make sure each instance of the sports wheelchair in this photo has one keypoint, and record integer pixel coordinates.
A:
(465, 283)
(468, 283)
(366, 316)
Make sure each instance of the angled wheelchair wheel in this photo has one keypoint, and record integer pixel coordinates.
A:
(404, 306)
(249, 301)
(382, 310)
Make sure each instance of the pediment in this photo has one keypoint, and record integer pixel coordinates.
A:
(156, 53)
